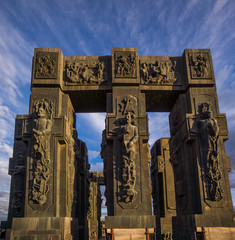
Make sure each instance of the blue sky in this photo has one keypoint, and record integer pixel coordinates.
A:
(93, 27)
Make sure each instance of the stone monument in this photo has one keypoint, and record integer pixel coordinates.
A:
(52, 190)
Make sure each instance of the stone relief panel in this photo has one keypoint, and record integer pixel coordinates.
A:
(46, 65)
(125, 64)
(127, 133)
(72, 148)
(86, 72)
(41, 167)
(159, 71)
(209, 138)
(200, 65)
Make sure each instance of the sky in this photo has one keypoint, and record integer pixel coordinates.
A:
(93, 28)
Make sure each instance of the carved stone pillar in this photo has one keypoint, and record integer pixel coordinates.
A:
(94, 211)
(163, 187)
(49, 163)
(125, 149)
(198, 132)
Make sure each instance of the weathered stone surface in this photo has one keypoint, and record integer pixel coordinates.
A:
(163, 188)
(50, 170)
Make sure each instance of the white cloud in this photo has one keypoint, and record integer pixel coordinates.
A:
(95, 121)
(98, 167)
(93, 154)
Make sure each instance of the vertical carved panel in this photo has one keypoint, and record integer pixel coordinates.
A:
(200, 65)
(127, 133)
(125, 64)
(41, 172)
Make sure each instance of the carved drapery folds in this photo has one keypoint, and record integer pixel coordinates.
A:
(43, 111)
(199, 64)
(209, 138)
(85, 72)
(159, 72)
(45, 66)
(125, 64)
(127, 133)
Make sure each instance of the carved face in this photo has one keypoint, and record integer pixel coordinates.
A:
(41, 113)
(128, 118)
(207, 114)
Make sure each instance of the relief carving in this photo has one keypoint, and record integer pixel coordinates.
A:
(125, 64)
(43, 110)
(167, 236)
(45, 65)
(160, 72)
(127, 133)
(85, 73)
(209, 138)
(71, 158)
(199, 66)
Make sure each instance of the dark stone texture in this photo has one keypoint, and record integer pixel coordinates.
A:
(50, 170)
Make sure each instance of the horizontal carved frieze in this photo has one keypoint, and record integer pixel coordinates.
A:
(85, 72)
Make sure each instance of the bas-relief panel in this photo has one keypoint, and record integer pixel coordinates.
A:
(159, 71)
(86, 71)
(211, 152)
(125, 64)
(41, 166)
(128, 136)
(200, 65)
(46, 65)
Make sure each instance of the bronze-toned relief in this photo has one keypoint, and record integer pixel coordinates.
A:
(85, 72)
(125, 64)
(43, 110)
(45, 65)
(159, 72)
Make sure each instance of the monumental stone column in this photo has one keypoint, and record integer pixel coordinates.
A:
(163, 188)
(198, 132)
(45, 142)
(127, 155)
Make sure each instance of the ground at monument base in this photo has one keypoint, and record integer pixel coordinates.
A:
(130, 233)
(220, 233)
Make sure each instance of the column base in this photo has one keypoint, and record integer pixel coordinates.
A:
(145, 221)
(45, 228)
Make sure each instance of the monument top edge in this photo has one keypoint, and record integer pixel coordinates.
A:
(113, 50)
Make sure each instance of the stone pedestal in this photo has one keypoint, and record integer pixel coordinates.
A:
(51, 228)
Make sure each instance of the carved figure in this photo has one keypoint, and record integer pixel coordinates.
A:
(167, 236)
(128, 136)
(45, 66)
(41, 165)
(209, 136)
(85, 73)
(200, 68)
(126, 66)
(159, 72)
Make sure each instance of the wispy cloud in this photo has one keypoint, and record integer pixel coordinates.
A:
(98, 167)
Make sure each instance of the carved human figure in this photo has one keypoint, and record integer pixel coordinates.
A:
(209, 137)
(200, 66)
(128, 137)
(42, 131)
